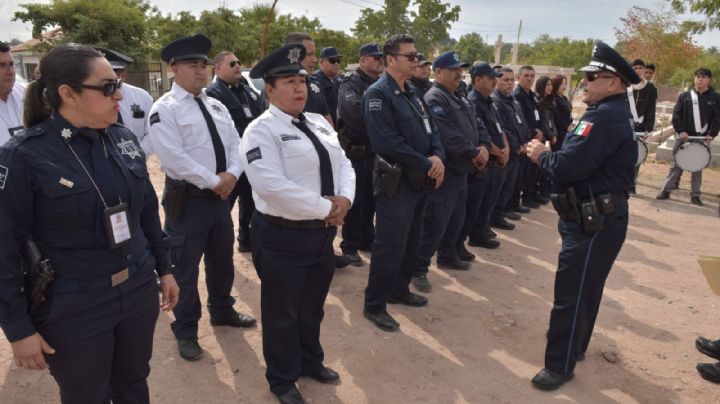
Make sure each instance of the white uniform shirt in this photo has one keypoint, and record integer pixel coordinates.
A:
(283, 166)
(180, 138)
(11, 112)
(135, 109)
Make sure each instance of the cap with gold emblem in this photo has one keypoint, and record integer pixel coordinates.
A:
(284, 61)
(606, 58)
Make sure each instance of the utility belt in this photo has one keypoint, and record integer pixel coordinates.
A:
(294, 224)
(359, 151)
(390, 175)
(176, 194)
(586, 211)
(64, 285)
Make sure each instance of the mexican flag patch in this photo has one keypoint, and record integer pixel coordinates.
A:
(583, 129)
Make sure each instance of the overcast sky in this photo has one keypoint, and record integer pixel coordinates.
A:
(579, 19)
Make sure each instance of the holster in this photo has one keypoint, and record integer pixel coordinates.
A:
(359, 152)
(38, 274)
(388, 174)
(566, 205)
(174, 198)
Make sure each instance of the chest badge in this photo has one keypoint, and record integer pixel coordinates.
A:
(66, 134)
(129, 148)
(314, 88)
(216, 108)
(254, 97)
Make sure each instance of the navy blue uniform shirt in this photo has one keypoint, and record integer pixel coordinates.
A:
(350, 112)
(487, 111)
(530, 108)
(394, 121)
(511, 120)
(600, 154)
(315, 98)
(235, 99)
(45, 194)
(329, 90)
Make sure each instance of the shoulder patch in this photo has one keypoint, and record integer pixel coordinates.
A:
(154, 118)
(437, 110)
(583, 129)
(253, 154)
(3, 176)
(375, 104)
(349, 96)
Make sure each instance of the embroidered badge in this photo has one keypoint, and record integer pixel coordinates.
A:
(3, 176)
(216, 108)
(253, 95)
(66, 133)
(322, 130)
(583, 129)
(294, 55)
(286, 137)
(375, 105)
(129, 148)
(253, 154)
(154, 118)
(349, 96)
(314, 88)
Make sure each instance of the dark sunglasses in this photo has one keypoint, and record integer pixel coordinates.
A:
(334, 60)
(411, 57)
(376, 58)
(108, 89)
(590, 77)
(233, 63)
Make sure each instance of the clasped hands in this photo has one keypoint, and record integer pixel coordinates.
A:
(340, 208)
(226, 185)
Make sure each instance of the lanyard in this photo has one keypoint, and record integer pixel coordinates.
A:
(88, 172)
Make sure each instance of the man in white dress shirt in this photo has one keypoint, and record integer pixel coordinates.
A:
(198, 146)
(12, 96)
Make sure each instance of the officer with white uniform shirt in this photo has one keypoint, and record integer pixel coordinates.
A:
(12, 96)
(303, 186)
(197, 144)
(136, 102)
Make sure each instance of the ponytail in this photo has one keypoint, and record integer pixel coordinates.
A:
(36, 106)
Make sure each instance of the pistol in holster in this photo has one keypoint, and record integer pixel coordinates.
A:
(388, 174)
(174, 198)
(566, 205)
(38, 273)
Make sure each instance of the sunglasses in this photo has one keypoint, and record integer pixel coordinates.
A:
(590, 77)
(108, 89)
(334, 60)
(411, 57)
(233, 63)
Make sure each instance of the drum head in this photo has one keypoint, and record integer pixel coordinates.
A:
(693, 156)
(642, 151)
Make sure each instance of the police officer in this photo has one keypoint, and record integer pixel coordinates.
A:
(421, 75)
(75, 184)
(136, 102)
(242, 103)
(695, 114)
(592, 174)
(198, 146)
(12, 94)
(642, 98)
(466, 143)
(484, 188)
(303, 186)
(358, 232)
(401, 133)
(327, 78)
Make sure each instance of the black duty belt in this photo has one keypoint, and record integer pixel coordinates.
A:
(65, 285)
(294, 224)
(195, 192)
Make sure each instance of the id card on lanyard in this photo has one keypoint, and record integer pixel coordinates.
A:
(247, 111)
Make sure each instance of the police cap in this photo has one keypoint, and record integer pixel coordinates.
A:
(187, 48)
(606, 58)
(370, 49)
(448, 60)
(329, 52)
(117, 60)
(284, 61)
(484, 69)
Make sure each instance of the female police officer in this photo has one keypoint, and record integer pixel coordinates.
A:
(76, 184)
(302, 186)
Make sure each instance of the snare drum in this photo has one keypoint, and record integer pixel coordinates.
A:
(693, 156)
(642, 151)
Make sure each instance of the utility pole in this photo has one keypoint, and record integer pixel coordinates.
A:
(498, 49)
(516, 47)
(264, 39)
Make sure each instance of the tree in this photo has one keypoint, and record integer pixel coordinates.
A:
(563, 51)
(430, 24)
(657, 37)
(472, 48)
(709, 8)
(114, 24)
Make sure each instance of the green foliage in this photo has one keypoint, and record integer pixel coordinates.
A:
(564, 52)
(708, 59)
(472, 48)
(709, 8)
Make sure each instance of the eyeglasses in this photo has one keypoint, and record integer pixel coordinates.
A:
(8, 65)
(376, 58)
(233, 63)
(411, 57)
(590, 77)
(108, 89)
(334, 60)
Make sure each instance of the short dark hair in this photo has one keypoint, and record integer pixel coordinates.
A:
(392, 45)
(703, 71)
(507, 70)
(221, 56)
(638, 62)
(526, 67)
(650, 66)
(4, 47)
(297, 37)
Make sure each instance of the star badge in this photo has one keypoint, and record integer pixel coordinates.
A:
(294, 55)
(314, 88)
(129, 148)
(66, 133)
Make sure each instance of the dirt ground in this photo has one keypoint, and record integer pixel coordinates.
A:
(481, 338)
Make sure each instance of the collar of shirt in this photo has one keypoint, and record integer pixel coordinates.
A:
(454, 96)
(285, 118)
(181, 93)
(62, 127)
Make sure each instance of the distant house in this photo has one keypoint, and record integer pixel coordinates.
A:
(27, 58)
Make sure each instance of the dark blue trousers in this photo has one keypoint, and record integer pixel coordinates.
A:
(295, 267)
(504, 202)
(207, 230)
(583, 266)
(398, 233)
(483, 194)
(444, 218)
(358, 232)
(103, 341)
(246, 207)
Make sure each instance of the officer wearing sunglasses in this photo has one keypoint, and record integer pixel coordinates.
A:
(592, 174)
(328, 78)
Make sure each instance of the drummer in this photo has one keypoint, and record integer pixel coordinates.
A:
(642, 97)
(695, 114)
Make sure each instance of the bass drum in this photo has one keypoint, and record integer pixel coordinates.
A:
(693, 156)
(642, 151)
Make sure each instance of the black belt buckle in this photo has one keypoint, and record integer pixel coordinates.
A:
(119, 278)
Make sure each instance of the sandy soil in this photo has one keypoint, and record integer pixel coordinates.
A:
(481, 338)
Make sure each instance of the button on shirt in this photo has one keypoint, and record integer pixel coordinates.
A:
(11, 112)
(181, 139)
(283, 167)
(135, 109)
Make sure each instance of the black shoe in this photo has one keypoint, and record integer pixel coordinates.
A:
(541, 199)
(663, 195)
(502, 224)
(548, 380)
(382, 320)
(233, 320)
(189, 349)
(512, 215)
(354, 258)
(489, 233)
(709, 371)
(521, 209)
(708, 347)
(341, 261)
(457, 264)
(422, 283)
(244, 247)
(530, 203)
(464, 254)
(489, 243)
(411, 299)
(695, 200)
(291, 396)
(324, 375)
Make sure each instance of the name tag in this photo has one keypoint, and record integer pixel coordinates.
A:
(247, 111)
(428, 130)
(537, 115)
(117, 226)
